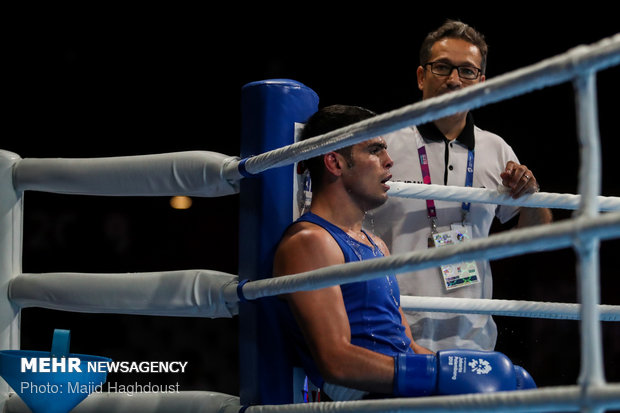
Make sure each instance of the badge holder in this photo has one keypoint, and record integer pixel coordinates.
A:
(460, 274)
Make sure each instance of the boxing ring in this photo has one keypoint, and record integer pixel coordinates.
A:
(265, 183)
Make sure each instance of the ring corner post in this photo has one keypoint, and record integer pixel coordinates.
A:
(269, 111)
(11, 206)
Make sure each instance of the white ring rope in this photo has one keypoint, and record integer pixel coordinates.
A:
(204, 293)
(515, 242)
(549, 72)
(497, 196)
(200, 293)
(587, 248)
(197, 173)
(191, 293)
(188, 401)
(513, 308)
(548, 399)
(182, 173)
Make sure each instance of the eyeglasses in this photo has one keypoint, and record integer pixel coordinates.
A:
(445, 69)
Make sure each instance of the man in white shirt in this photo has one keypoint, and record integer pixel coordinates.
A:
(442, 152)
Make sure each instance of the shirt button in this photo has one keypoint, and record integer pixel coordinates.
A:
(450, 167)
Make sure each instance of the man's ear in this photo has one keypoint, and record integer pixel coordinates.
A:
(333, 163)
(420, 77)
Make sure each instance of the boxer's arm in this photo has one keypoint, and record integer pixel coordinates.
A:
(416, 348)
(322, 316)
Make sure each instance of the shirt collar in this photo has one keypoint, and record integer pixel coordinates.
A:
(466, 138)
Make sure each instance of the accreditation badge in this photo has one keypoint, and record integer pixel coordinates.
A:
(460, 274)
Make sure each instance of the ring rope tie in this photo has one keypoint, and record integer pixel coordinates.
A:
(242, 298)
(243, 170)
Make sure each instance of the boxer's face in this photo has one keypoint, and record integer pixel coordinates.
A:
(365, 179)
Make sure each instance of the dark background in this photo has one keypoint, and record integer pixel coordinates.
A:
(117, 81)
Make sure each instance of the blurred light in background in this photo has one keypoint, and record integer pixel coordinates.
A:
(180, 202)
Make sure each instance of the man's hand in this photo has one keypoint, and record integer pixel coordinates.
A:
(519, 179)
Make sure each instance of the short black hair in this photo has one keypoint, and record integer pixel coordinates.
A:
(326, 120)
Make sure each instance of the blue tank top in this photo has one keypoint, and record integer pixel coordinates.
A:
(372, 306)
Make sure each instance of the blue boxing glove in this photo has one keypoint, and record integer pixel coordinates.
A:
(415, 375)
(461, 372)
(457, 372)
(524, 380)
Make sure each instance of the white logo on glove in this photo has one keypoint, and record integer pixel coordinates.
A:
(480, 366)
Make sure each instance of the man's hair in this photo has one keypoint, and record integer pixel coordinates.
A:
(326, 120)
(453, 29)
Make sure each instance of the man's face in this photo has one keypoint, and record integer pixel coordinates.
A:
(454, 52)
(365, 180)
